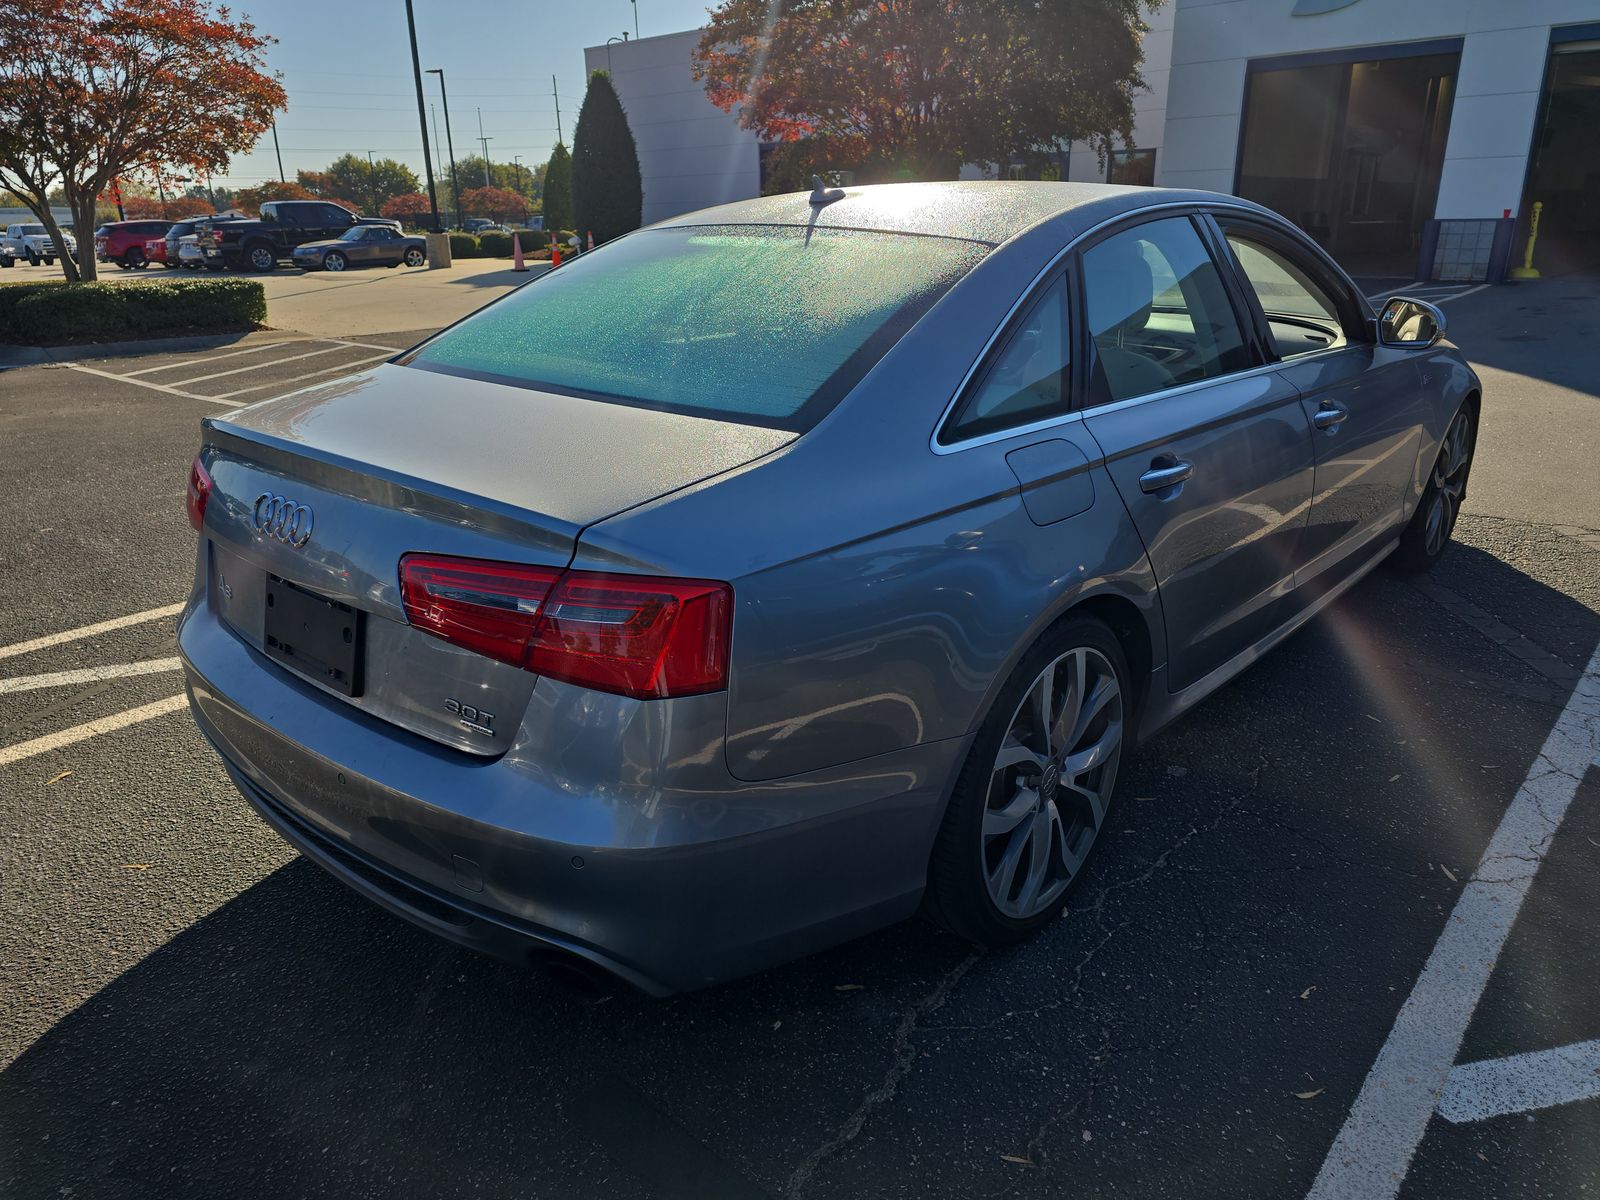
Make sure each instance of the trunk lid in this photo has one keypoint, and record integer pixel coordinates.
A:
(396, 460)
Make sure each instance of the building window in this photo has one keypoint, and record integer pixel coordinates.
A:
(1136, 167)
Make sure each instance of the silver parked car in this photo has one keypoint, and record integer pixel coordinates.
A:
(783, 568)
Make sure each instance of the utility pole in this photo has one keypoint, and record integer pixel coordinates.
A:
(635, 18)
(449, 141)
(372, 182)
(422, 117)
(278, 152)
(556, 92)
(517, 159)
(487, 182)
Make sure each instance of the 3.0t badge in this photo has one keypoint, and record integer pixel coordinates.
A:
(277, 517)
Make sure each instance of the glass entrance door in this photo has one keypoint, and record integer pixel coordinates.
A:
(1351, 152)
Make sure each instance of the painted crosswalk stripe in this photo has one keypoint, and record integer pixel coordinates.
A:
(1370, 1157)
(31, 683)
(89, 729)
(87, 631)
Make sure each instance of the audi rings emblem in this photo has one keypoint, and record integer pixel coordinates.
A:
(283, 519)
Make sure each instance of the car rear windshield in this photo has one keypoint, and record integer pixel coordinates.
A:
(766, 325)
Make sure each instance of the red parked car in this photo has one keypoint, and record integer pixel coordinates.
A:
(123, 242)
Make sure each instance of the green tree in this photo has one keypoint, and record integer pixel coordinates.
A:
(917, 88)
(607, 195)
(558, 191)
(370, 185)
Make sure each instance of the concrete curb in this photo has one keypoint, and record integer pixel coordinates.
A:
(29, 356)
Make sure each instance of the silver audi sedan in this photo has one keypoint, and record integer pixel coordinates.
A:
(785, 568)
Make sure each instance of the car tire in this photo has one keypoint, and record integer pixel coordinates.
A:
(1427, 534)
(6, 262)
(132, 259)
(33, 259)
(260, 257)
(1008, 773)
(334, 261)
(49, 262)
(415, 257)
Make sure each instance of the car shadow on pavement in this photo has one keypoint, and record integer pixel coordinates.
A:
(1280, 841)
(1547, 329)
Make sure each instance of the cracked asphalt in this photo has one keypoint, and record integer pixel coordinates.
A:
(190, 1009)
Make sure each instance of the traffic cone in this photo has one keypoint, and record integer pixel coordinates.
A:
(555, 252)
(590, 246)
(516, 253)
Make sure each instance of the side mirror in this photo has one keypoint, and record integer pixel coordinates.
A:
(1410, 324)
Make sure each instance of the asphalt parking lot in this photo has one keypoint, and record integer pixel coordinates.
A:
(1289, 902)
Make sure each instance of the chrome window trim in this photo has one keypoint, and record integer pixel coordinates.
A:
(1078, 414)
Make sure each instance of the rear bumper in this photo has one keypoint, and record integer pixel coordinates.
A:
(669, 888)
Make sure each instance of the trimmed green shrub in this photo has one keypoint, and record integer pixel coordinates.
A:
(607, 195)
(494, 244)
(13, 294)
(71, 311)
(464, 245)
(533, 239)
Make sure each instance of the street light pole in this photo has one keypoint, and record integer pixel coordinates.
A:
(422, 117)
(372, 182)
(635, 17)
(449, 142)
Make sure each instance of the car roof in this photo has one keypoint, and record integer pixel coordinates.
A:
(991, 211)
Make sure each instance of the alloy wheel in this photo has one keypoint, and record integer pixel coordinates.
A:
(413, 258)
(334, 262)
(262, 259)
(1449, 483)
(1047, 793)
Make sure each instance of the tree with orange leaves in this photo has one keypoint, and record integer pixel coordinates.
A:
(918, 88)
(498, 204)
(92, 90)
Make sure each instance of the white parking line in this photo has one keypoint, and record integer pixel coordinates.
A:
(277, 362)
(89, 729)
(187, 362)
(86, 631)
(156, 387)
(349, 366)
(30, 683)
(1370, 1157)
(1522, 1082)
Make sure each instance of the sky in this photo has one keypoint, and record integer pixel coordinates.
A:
(346, 65)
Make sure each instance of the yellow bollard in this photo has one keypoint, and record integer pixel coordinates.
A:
(1526, 270)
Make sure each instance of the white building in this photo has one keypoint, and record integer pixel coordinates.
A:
(1405, 137)
(1402, 136)
(691, 153)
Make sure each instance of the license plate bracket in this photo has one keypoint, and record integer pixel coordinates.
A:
(313, 635)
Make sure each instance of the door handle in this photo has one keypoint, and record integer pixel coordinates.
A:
(1330, 416)
(1157, 479)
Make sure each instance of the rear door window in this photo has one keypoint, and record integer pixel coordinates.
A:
(1158, 312)
(769, 325)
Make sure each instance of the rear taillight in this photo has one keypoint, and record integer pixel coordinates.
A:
(199, 492)
(637, 635)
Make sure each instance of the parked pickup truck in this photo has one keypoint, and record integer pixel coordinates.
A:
(32, 243)
(284, 224)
